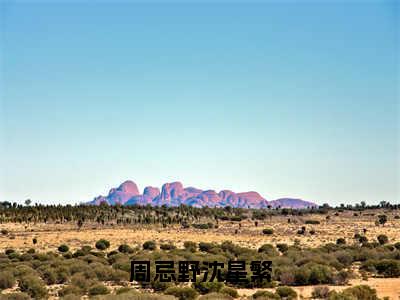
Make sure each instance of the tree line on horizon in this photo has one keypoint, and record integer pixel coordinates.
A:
(183, 214)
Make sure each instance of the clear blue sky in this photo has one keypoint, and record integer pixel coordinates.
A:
(288, 100)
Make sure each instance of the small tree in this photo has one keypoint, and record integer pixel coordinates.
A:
(80, 224)
(382, 219)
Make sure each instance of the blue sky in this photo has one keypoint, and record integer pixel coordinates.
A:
(298, 100)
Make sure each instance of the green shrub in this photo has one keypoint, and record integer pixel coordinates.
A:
(229, 291)
(9, 251)
(344, 257)
(282, 247)
(215, 296)
(123, 290)
(48, 275)
(78, 253)
(286, 292)
(149, 245)
(7, 280)
(397, 245)
(102, 244)
(63, 248)
(81, 281)
(268, 231)
(192, 246)
(382, 219)
(320, 292)
(265, 295)
(98, 289)
(167, 247)
(124, 248)
(182, 293)
(15, 296)
(361, 292)
(382, 239)
(320, 274)
(70, 290)
(86, 248)
(208, 287)
(388, 267)
(340, 241)
(312, 222)
(206, 247)
(268, 249)
(33, 286)
(25, 257)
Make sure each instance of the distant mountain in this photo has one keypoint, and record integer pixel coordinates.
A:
(291, 203)
(174, 194)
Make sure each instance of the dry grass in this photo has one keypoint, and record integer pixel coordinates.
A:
(50, 236)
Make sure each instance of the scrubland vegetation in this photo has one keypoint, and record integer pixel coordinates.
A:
(101, 269)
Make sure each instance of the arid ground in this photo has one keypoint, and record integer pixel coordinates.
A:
(245, 233)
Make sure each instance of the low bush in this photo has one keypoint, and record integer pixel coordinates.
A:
(206, 247)
(286, 292)
(167, 246)
(98, 289)
(340, 241)
(388, 267)
(229, 291)
(124, 248)
(33, 286)
(268, 249)
(192, 246)
(215, 296)
(320, 292)
(102, 244)
(15, 296)
(182, 293)
(382, 239)
(265, 295)
(70, 290)
(208, 287)
(149, 245)
(361, 292)
(203, 226)
(312, 222)
(282, 247)
(268, 231)
(7, 280)
(63, 248)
